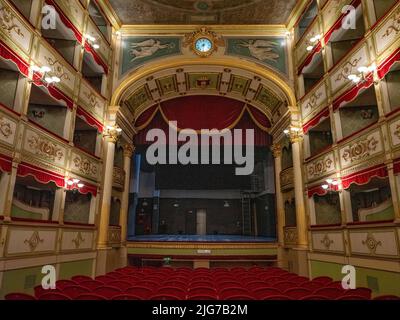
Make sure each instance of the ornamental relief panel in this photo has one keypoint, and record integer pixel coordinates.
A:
(104, 50)
(290, 235)
(91, 101)
(84, 166)
(332, 12)
(301, 48)
(114, 235)
(339, 77)
(374, 242)
(361, 149)
(321, 166)
(44, 148)
(388, 32)
(8, 129)
(330, 241)
(13, 28)
(313, 101)
(77, 240)
(287, 178)
(58, 67)
(74, 12)
(395, 133)
(26, 242)
(118, 177)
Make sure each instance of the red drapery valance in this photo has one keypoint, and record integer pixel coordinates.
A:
(40, 175)
(53, 91)
(96, 57)
(86, 189)
(309, 58)
(8, 54)
(204, 112)
(353, 92)
(318, 190)
(65, 20)
(363, 177)
(316, 120)
(386, 65)
(5, 163)
(89, 119)
(339, 22)
(396, 166)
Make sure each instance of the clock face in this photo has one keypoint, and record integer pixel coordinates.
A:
(203, 45)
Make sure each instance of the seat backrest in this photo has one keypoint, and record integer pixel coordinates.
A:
(74, 291)
(352, 297)
(202, 290)
(19, 296)
(175, 291)
(201, 284)
(331, 293)
(60, 284)
(312, 285)
(315, 297)
(164, 297)
(273, 280)
(297, 293)
(79, 279)
(255, 285)
(104, 279)
(228, 284)
(142, 292)
(120, 284)
(323, 280)
(148, 284)
(175, 283)
(387, 297)
(89, 296)
(126, 296)
(262, 293)
(364, 292)
(277, 297)
(91, 284)
(107, 291)
(39, 290)
(283, 285)
(232, 291)
(54, 296)
(200, 297)
(244, 297)
(298, 280)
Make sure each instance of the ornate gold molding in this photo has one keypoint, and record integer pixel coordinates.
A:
(78, 240)
(360, 149)
(327, 242)
(5, 127)
(34, 241)
(276, 149)
(371, 243)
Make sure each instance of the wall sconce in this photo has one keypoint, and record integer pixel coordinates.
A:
(363, 72)
(293, 132)
(45, 75)
(313, 42)
(226, 204)
(331, 185)
(92, 40)
(73, 184)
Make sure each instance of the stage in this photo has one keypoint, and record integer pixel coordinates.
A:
(196, 238)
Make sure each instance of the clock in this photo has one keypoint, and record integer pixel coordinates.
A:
(203, 42)
(203, 45)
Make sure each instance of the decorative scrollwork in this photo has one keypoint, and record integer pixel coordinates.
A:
(360, 149)
(347, 69)
(371, 243)
(34, 241)
(320, 166)
(78, 240)
(85, 166)
(45, 148)
(312, 103)
(5, 127)
(397, 131)
(7, 22)
(394, 26)
(327, 242)
(58, 68)
(92, 99)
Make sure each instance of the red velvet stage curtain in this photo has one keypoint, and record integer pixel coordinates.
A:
(204, 112)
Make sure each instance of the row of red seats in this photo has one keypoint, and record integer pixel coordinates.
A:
(200, 284)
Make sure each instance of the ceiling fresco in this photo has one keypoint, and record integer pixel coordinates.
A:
(203, 11)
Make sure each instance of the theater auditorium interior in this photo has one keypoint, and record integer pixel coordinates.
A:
(199, 150)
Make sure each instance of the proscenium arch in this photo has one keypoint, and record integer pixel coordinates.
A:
(180, 62)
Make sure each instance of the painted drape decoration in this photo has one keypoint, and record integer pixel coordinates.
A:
(386, 65)
(8, 54)
(40, 175)
(96, 57)
(316, 120)
(89, 119)
(364, 177)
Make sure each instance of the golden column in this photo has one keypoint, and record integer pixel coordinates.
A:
(277, 153)
(129, 149)
(111, 137)
(296, 140)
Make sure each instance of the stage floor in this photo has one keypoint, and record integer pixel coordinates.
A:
(196, 238)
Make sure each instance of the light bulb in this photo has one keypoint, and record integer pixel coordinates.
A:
(70, 182)
(372, 67)
(45, 69)
(76, 180)
(80, 185)
(335, 182)
(313, 39)
(118, 130)
(309, 48)
(351, 76)
(49, 79)
(35, 68)
(356, 79)
(286, 131)
(363, 69)
(96, 46)
(56, 79)
(325, 186)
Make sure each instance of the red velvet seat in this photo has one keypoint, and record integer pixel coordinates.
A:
(175, 283)
(54, 296)
(351, 297)
(202, 297)
(19, 296)
(322, 280)
(202, 283)
(254, 285)
(364, 292)
(89, 296)
(297, 293)
(387, 297)
(202, 278)
(164, 297)
(330, 293)
(273, 280)
(335, 284)
(107, 291)
(126, 296)
(315, 297)
(142, 292)
(283, 285)
(262, 293)
(74, 291)
(277, 297)
(299, 280)
(202, 291)
(80, 279)
(114, 275)
(60, 284)
(92, 284)
(233, 291)
(227, 284)
(175, 291)
(120, 284)
(104, 279)
(148, 284)
(39, 291)
(312, 285)
(244, 297)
